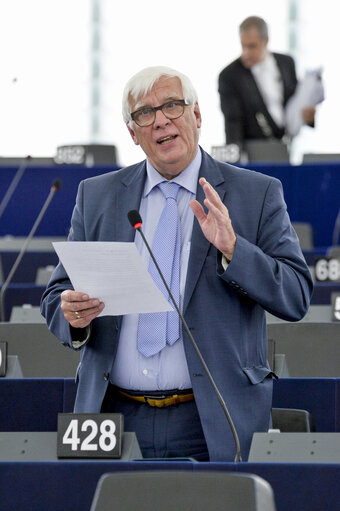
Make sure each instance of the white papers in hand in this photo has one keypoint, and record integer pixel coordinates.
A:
(114, 273)
(309, 93)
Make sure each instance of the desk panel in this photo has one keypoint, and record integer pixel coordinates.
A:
(31, 193)
(322, 294)
(18, 294)
(33, 405)
(311, 193)
(28, 267)
(30, 404)
(59, 486)
(302, 184)
(297, 487)
(48, 396)
(319, 396)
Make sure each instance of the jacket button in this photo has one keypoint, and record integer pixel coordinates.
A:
(106, 376)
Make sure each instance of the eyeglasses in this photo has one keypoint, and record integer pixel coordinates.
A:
(147, 115)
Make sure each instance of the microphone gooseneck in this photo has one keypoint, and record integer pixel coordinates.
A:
(15, 181)
(136, 221)
(55, 187)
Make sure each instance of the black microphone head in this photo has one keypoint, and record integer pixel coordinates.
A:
(134, 218)
(56, 184)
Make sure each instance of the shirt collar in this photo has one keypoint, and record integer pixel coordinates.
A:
(267, 62)
(187, 178)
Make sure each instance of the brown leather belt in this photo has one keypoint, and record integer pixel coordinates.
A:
(159, 401)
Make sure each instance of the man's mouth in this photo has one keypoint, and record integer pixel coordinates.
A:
(166, 140)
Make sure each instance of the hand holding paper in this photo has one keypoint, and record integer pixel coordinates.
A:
(79, 309)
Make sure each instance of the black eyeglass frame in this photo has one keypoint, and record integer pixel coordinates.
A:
(154, 109)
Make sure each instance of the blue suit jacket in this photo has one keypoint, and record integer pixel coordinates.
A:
(224, 309)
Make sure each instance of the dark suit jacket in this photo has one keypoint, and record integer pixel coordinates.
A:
(223, 309)
(241, 101)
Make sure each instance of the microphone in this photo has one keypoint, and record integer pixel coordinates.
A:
(136, 221)
(54, 188)
(15, 181)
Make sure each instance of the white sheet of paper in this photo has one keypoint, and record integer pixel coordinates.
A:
(114, 273)
(309, 93)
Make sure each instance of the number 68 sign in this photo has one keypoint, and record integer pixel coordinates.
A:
(84, 435)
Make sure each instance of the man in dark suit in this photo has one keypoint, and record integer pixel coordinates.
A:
(239, 256)
(255, 88)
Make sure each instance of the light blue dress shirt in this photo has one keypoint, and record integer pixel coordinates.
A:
(167, 369)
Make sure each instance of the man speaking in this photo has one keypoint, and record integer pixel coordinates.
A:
(224, 241)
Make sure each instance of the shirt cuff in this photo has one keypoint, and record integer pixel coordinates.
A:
(84, 334)
(225, 262)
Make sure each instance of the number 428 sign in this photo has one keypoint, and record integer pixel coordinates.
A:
(84, 435)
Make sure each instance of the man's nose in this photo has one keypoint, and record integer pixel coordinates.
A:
(160, 119)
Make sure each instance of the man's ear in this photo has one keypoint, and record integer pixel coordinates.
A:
(132, 133)
(197, 114)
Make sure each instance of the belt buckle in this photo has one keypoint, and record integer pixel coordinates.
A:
(155, 397)
(157, 401)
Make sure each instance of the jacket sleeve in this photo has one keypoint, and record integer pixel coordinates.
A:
(232, 110)
(272, 272)
(59, 282)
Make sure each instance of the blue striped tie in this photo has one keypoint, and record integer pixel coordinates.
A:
(157, 329)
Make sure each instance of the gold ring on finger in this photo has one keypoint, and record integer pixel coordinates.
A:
(77, 315)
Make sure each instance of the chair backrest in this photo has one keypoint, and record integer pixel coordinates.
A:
(266, 150)
(38, 243)
(40, 353)
(26, 313)
(304, 231)
(311, 349)
(292, 420)
(182, 490)
(44, 274)
(334, 252)
(317, 157)
(315, 314)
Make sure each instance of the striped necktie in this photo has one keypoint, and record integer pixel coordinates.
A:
(155, 330)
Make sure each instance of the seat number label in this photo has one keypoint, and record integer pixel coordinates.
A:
(89, 435)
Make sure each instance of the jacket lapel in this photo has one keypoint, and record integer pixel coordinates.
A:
(286, 77)
(199, 244)
(127, 197)
(253, 92)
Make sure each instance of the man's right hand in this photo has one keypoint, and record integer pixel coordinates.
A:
(308, 115)
(79, 309)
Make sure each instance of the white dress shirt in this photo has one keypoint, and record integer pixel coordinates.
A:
(167, 369)
(269, 81)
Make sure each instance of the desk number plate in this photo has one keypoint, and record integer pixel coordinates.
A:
(335, 297)
(327, 269)
(84, 435)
